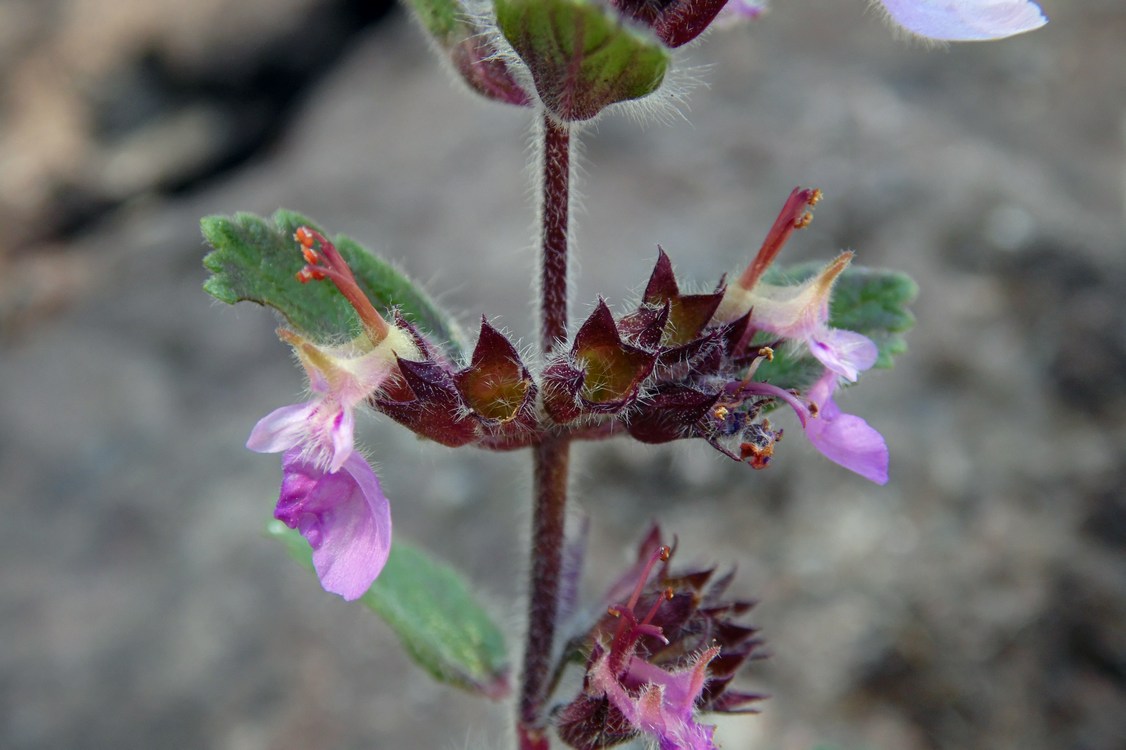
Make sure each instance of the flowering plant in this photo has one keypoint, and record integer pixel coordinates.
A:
(674, 365)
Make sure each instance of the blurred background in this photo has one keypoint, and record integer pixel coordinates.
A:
(977, 601)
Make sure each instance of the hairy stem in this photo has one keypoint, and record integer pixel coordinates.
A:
(554, 214)
(551, 453)
(548, 517)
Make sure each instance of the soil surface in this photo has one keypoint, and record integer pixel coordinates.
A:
(978, 601)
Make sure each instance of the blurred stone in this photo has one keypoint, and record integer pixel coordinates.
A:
(975, 602)
(108, 99)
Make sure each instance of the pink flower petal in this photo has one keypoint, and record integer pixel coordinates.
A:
(965, 20)
(845, 439)
(281, 429)
(846, 353)
(741, 10)
(666, 705)
(344, 516)
(341, 432)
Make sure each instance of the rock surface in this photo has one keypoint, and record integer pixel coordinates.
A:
(977, 601)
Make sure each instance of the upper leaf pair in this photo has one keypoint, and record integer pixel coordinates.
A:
(578, 57)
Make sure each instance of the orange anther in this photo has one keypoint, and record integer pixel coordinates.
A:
(758, 457)
(307, 274)
(665, 553)
(815, 197)
(803, 221)
(304, 236)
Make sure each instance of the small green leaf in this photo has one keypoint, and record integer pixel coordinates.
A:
(440, 17)
(870, 301)
(582, 57)
(874, 302)
(256, 260)
(430, 608)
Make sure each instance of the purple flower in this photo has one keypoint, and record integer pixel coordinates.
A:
(965, 20)
(329, 492)
(844, 439)
(664, 707)
(344, 516)
(652, 700)
(741, 10)
(800, 312)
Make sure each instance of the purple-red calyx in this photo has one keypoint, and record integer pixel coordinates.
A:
(329, 492)
(674, 22)
(655, 701)
(662, 657)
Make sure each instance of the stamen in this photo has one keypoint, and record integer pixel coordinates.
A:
(661, 554)
(765, 354)
(666, 596)
(629, 629)
(757, 456)
(793, 216)
(329, 264)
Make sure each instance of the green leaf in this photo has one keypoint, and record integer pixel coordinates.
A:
(873, 302)
(256, 260)
(430, 608)
(581, 55)
(440, 17)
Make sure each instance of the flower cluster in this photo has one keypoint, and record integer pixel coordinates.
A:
(676, 366)
(652, 674)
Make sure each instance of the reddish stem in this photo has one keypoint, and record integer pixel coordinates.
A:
(548, 520)
(554, 217)
(551, 454)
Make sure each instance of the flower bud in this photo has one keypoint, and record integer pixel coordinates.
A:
(471, 49)
(581, 57)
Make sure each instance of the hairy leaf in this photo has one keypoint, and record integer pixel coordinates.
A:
(429, 606)
(256, 260)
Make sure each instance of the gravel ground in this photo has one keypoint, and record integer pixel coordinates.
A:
(977, 601)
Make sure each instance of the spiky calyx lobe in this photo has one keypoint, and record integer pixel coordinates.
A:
(675, 22)
(657, 660)
(602, 374)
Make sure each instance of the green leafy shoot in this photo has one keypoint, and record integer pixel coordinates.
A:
(257, 260)
(430, 608)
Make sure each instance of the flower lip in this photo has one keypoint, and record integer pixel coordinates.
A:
(965, 20)
(344, 516)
